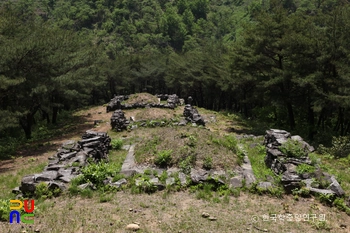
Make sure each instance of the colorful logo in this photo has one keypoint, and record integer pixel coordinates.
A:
(19, 205)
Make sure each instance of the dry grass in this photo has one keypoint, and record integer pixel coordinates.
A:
(175, 212)
(150, 114)
(144, 98)
(183, 141)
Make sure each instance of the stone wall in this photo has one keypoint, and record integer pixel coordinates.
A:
(116, 103)
(67, 162)
(280, 162)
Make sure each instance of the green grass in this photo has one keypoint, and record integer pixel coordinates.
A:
(11, 180)
(186, 142)
(257, 156)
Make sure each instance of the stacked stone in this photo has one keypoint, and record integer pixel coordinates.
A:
(191, 115)
(118, 121)
(96, 144)
(173, 101)
(66, 163)
(282, 164)
(115, 103)
(162, 96)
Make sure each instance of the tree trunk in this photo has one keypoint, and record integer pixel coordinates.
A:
(54, 115)
(290, 115)
(26, 122)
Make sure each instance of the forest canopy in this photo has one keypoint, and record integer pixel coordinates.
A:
(280, 61)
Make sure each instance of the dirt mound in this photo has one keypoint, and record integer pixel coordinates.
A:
(144, 98)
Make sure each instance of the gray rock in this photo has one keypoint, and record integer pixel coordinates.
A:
(182, 123)
(183, 178)
(46, 176)
(248, 174)
(172, 170)
(16, 190)
(335, 187)
(198, 176)
(53, 162)
(64, 172)
(56, 184)
(55, 167)
(170, 181)
(67, 156)
(236, 182)
(264, 185)
(118, 121)
(291, 168)
(28, 184)
(67, 178)
(84, 186)
(68, 144)
(128, 172)
(119, 183)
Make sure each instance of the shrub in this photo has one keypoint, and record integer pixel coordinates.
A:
(42, 191)
(305, 168)
(293, 148)
(208, 162)
(117, 144)
(96, 173)
(163, 158)
(4, 210)
(340, 147)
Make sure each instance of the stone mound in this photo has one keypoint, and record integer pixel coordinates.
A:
(66, 163)
(286, 164)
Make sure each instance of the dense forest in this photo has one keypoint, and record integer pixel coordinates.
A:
(284, 62)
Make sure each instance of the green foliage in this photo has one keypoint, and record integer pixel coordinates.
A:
(163, 158)
(340, 147)
(95, 173)
(305, 168)
(187, 163)
(208, 162)
(229, 142)
(303, 192)
(163, 177)
(340, 204)
(4, 210)
(42, 191)
(117, 144)
(326, 198)
(293, 148)
(146, 186)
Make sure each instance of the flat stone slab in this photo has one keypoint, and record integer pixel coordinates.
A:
(129, 162)
(67, 156)
(248, 172)
(46, 176)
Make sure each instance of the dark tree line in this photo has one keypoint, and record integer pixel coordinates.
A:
(280, 61)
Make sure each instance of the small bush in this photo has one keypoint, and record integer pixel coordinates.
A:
(4, 210)
(208, 162)
(117, 144)
(293, 148)
(340, 147)
(42, 191)
(96, 173)
(305, 168)
(163, 158)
